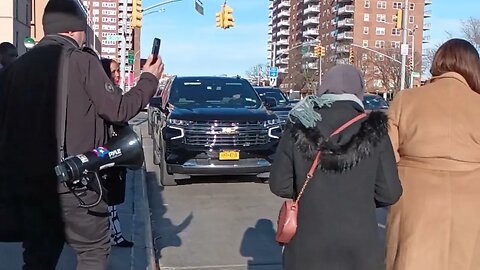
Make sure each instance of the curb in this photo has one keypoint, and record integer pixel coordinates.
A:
(149, 246)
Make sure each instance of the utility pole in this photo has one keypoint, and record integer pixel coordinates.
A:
(123, 50)
(404, 46)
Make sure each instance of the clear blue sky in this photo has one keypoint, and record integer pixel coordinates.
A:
(192, 45)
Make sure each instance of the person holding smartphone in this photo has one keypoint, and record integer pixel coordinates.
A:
(92, 101)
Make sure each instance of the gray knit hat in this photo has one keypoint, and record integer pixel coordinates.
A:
(61, 16)
(343, 79)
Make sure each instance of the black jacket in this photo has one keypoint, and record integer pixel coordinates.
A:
(337, 227)
(28, 111)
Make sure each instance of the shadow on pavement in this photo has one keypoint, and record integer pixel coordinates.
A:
(165, 233)
(259, 244)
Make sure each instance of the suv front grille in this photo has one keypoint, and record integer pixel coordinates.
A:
(221, 133)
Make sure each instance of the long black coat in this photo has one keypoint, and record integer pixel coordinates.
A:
(337, 227)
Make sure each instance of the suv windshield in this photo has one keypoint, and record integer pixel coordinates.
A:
(274, 93)
(213, 93)
(374, 103)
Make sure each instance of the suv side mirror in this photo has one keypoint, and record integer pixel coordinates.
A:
(156, 102)
(269, 102)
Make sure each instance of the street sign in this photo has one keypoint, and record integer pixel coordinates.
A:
(114, 38)
(273, 72)
(304, 50)
(131, 57)
(416, 74)
(404, 49)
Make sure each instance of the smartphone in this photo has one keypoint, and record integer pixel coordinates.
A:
(155, 49)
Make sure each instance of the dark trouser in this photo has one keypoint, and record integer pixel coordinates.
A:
(42, 231)
(87, 231)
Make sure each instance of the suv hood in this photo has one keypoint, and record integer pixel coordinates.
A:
(224, 114)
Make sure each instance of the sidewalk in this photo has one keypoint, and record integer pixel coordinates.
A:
(132, 218)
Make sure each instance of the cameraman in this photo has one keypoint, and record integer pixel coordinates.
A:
(28, 143)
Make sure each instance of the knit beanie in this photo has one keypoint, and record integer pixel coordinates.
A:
(343, 79)
(61, 16)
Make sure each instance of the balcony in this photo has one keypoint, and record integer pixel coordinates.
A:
(283, 33)
(283, 61)
(282, 42)
(284, 3)
(282, 51)
(312, 65)
(283, 23)
(427, 26)
(348, 9)
(311, 32)
(343, 49)
(270, 6)
(345, 22)
(284, 14)
(282, 70)
(270, 14)
(426, 39)
(428, 2)
(312, 9)
(345, 35)
(270, 23)
(312, 20)
(334, 9)
(427, 14)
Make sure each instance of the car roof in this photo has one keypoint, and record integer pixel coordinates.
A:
(218, 78)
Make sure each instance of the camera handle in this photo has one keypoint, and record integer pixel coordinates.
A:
(96, 186)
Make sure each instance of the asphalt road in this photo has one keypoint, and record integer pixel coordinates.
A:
(214, 222)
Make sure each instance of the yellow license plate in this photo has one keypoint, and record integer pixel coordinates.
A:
(229, 155)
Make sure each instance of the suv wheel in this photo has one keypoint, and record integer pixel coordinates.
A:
(156, 159)
(166, 179)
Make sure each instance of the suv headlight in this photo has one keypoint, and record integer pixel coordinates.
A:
(178, 122)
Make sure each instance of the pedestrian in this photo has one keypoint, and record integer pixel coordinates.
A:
(8, 54)
(28, 141)
(337, 226)
(115, 177)
(434, 129)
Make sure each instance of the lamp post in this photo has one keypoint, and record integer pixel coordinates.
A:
(404, 46)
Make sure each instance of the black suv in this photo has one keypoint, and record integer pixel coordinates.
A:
(212, 126)
(282, 105)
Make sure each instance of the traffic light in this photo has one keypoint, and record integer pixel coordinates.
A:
(317, 51)
(136, 14)
(399, 18)
(219, 18)
(322, 51)
(351, 56)
(228, 20)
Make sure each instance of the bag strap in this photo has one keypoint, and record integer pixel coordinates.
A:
(62, 96)
(317, 157)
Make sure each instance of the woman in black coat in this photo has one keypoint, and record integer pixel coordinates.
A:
(337, 227)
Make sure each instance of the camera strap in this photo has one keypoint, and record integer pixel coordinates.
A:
(62, 97)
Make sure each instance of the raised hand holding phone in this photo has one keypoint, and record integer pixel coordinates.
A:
(156, 48)
(154, 63)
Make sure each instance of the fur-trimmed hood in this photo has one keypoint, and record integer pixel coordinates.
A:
(341, 152)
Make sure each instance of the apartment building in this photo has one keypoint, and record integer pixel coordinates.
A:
(366, 28)
(107, 20)
(15, 16)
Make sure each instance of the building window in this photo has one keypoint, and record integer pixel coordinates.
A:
(380, 31)
(396, 32)
(365, 43)
(411, 19)
(367, 4)
(382, 4)
(381, 18)
(96, 11)
(395, 44)
(377, 83)
(397, 5)
(366, 17)
(412, 6)
(95, 4)
(379, 44)
(365, 30)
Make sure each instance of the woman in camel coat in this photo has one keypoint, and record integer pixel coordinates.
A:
(435, 132)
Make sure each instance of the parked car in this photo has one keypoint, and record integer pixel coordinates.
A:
(283, 104)
(373, 102)
(212, 126)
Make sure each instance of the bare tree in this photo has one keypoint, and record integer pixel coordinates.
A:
(471, 31)
(257, 74)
